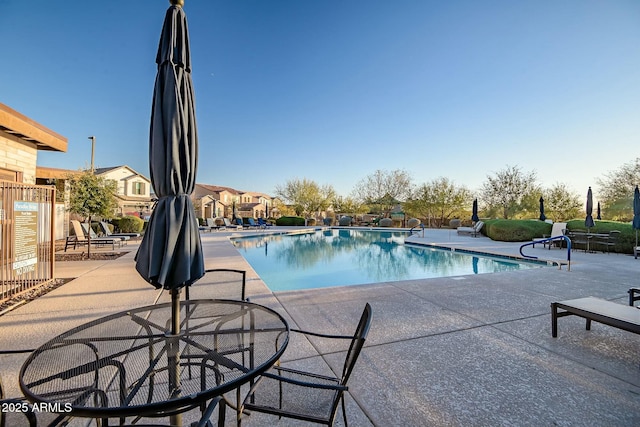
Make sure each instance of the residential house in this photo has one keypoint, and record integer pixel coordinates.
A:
(133, 190)
(212, 201)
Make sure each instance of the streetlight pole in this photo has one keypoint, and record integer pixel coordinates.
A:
(93, 147)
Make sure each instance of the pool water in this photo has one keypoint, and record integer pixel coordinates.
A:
(339, 257)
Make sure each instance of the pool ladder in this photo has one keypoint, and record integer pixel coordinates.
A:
(549, 240)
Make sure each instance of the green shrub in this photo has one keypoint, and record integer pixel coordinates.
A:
(290, 221)
(515, 230)
(130, 224)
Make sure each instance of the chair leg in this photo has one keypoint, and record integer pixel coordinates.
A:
(344, 411)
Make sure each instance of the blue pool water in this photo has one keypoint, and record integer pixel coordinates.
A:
(340, 257)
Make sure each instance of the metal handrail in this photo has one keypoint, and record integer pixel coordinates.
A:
(550, 239)
(415, 227)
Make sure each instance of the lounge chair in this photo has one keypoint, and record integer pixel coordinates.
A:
(211, 223)
(107, 232)
(473, 231)
(241, 223)
(88, 230)
(610, 313)
(262, 223)
(228, 224)
(557, 230)
(80, 239)
(253, 224)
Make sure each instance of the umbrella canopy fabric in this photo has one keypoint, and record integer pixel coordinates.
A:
(542, 215)
(588, 221)
(170, 254)
(636, 208)
(598, 215)
(474, 214)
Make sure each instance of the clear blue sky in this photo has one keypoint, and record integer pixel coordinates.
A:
(333, 90)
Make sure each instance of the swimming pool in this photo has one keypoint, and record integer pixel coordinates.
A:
(339, 257)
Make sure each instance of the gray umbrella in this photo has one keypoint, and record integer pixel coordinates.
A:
(542, 215)
(636, 211)
(170, 254)
(588, 221)
(474, 211)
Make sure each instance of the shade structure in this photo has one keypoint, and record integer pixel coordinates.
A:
(474, 211)
(636, 211)
(599, 212)
(588, 221)
(542, 215)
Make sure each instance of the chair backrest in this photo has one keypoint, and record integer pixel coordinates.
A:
(231, 279)
(478, 226)
(557, 228)
(77, 229)
(226, 222)
(613, 235)
(105, 228)
(357, 342)
(239, 221)
(88, 230)
(251, 221)
(211, 222)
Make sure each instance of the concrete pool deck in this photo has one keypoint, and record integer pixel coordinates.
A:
(471, 350)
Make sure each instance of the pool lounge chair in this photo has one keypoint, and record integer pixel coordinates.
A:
(228, 224)
(107, 232)
(262, 223)
(88, 230)
(473, 231)
(80, 239)
(557, 230)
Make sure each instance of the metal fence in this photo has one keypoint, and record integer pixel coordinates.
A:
(27, 244)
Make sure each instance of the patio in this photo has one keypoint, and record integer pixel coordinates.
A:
(460, 351)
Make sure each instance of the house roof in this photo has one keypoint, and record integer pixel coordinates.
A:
(218, 188)
(101, 171)
(28, 130)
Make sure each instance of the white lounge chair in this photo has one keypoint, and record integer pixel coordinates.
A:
(80, 239)
(473, 231)
(557, 229)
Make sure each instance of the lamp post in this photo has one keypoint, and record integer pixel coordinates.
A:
(93, 147)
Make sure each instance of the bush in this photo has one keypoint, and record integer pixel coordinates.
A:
(129, 224)
(514, 230)
(290, 221)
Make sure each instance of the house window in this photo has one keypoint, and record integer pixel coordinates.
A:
(138, 188)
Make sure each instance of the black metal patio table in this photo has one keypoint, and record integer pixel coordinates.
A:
(128, 364)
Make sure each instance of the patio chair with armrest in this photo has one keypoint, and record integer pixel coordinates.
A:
(304, 395)
(557, 230)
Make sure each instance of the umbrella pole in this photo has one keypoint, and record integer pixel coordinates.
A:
(174, 353)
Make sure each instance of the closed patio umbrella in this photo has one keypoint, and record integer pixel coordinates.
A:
(542, 216)
(474, 213)
(598, 216)
(636, 211)
(170, 254)
(588, 221)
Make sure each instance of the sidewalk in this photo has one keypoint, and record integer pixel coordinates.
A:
(458, 351)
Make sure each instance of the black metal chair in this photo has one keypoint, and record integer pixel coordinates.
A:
(304, 395)
(219, 277)
(16, 407)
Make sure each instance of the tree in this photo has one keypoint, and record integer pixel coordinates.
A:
(91, 196)
(616, 191)
(348, 205)
(440, 199)
(383, 189)
(560, 204)
(504, 193)
(306, 196)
